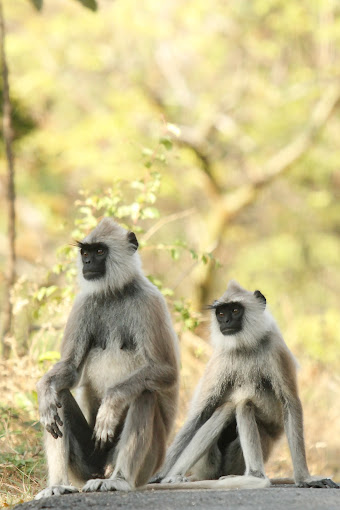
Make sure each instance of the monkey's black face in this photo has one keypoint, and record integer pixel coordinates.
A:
(94, 260)
(229, 318)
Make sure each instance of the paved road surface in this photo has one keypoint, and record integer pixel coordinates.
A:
(281, 498)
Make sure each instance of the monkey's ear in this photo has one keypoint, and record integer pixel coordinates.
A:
(260, 297)
(213, 306)
(132, 240)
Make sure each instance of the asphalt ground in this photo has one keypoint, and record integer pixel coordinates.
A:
(273, 498)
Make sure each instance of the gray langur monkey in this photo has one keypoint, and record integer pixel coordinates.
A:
(121, 354)
(247, 396)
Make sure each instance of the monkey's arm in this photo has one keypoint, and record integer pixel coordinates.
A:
(148, 378)
(203, 407)
(293, 423)
(293, 420)
(180, 460)
(65, 373)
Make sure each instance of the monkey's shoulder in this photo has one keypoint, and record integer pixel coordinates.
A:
(139, 292)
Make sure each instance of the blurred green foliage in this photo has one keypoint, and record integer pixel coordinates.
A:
(164, 114)
(90, 4)
(203, 94)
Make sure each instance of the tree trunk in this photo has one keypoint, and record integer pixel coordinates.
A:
(8, 140)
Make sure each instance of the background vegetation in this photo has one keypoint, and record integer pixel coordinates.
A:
(212, 129)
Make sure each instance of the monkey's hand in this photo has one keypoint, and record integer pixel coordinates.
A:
(108, 417)
(317, 482)
(49, 416)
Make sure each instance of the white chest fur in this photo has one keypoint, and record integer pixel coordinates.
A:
(106, 367)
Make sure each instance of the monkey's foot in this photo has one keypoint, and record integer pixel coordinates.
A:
(93, 485)
(156, 479)
(100, 485)
(115, 484)
(176, 479)
(56, 490)
(318, 483)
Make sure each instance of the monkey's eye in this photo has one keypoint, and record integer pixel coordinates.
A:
(83, 253)
(221, 314)
(100, 251)
(235, 310)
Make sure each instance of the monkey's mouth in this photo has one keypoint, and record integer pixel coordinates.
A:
(229, 331)
(92, 275)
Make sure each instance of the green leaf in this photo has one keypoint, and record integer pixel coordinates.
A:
(138, 185)
(147, 152)
(90, 4)
(166, 142)
(150, 213)
(45, 292)
(161, 158)
(174, 253)
(172, 128)
(155, 281)
(167, 292)
(38, 4)
(49, 356)
(151, 198)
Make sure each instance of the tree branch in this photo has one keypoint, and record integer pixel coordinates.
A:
(165, 221)
(205, 162)
(188, 140)
(234, 203)
(283, 160)
(8, 139)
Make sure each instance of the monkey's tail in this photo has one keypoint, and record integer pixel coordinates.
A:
(282, 481)
(224, 483)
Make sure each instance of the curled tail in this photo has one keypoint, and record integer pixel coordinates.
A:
(224, 483)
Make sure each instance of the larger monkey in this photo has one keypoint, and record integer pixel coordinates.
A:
(121, 353)
(247, 396)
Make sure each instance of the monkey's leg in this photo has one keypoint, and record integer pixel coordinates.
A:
(209, 465)
(250, 439)
(204, 439)
(233, 460)
(73, 453)
(141, 448)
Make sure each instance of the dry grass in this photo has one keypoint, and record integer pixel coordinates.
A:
(21, 454)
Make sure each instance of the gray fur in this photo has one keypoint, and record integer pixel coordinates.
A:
(120, 354)
(246, 398)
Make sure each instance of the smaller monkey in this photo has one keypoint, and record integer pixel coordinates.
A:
(246, 398)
